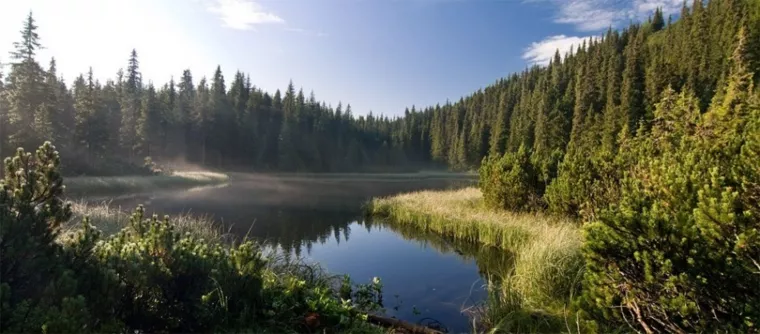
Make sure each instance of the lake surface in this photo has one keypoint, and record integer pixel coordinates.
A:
(320, 219)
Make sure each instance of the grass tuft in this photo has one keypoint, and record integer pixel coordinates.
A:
(546, 249)
(110, 220)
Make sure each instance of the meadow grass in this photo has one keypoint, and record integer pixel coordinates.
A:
(89, 185)
(547, 263)
(111, 219)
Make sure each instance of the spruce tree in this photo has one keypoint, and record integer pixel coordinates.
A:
(632, 89)
(185, 105)
(658, 21)
(3, 116)
(25, 89)
(130, 104)
(148, 124)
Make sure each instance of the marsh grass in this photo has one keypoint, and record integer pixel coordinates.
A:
(547, 264)
(110, 219)
(88, 185)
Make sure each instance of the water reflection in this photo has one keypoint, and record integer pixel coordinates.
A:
(321, 219)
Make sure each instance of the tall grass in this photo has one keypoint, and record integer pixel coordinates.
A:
(546, 249)
(88, 185)
(110, 219)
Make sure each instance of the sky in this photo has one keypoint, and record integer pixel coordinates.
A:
(377, 55)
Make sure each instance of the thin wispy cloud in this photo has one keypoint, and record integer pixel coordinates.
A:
(540, 53)
(595, 15)
(587, 15)
(592, 16)
(243, 14)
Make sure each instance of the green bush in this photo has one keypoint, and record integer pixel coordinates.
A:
(680, 251)
(147, 277)
(509, 182)
(585, 184)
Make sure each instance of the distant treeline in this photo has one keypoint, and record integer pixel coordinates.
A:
(111, 127)
(583, 101)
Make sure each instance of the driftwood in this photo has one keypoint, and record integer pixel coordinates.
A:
(404, 326)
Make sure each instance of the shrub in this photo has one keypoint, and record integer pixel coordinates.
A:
(508, 182)
(148, 277)
(680, 251)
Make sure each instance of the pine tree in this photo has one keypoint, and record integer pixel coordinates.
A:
(658, 21)
(221, 117)
(84, 95)
(202, 119)
(24, 91)
(632, 89)
(149, 124)
(3, 117)
(130, 104)
(185, 104)
(56, 94)
(286, 147)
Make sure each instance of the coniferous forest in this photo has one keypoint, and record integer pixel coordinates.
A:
(646, 139)
(583, 101)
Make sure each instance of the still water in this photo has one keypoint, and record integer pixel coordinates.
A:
(425, 277)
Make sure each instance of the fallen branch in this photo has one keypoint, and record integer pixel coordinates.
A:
(400, 324)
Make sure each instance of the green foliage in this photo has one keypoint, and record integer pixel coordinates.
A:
(148, 277)
(605, 89)
(679, 251)
(509, 182)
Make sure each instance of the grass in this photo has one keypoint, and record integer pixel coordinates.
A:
(547, 264)
(109, 220)
(88, 185)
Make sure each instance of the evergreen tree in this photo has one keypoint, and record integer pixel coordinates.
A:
(658, 21)
(3, 116)
(632, 89)
(149, 124)
(130, 103)
(91, 129)
(185, 105)
(25, 88)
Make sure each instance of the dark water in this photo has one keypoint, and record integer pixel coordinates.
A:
(320, 219)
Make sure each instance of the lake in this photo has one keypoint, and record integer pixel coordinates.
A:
(319, 218)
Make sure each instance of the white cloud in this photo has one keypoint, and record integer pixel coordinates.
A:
(543, 51)
(595, 15)
(587, 15)
(243, 14)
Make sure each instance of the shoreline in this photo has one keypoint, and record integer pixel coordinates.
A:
(81, 186)
(536, 291)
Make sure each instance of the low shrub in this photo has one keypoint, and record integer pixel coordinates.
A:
(148, 277)
(509, 182)
(680, 251)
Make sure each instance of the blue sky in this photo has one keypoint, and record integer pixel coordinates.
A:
(379, 55)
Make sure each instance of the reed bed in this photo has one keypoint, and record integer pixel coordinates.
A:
(88, 185)
(111, 219)
(546, 249)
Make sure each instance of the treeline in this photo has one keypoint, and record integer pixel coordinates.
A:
(661, 164)
(108, 127)
(584, 101)
(605, 88)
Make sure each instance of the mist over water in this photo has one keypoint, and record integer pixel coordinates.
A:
(319, 218)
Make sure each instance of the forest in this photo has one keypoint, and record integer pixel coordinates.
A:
(111, 127)
(583, 101)
(637, 152)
